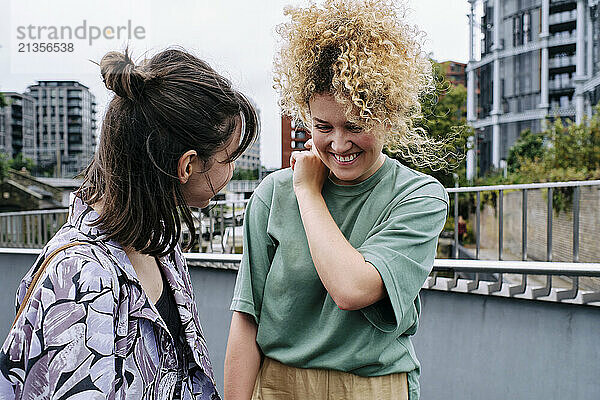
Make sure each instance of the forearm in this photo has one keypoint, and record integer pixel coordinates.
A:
(242, 358)
(349, 279)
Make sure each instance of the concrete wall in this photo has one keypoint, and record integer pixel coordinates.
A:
(475, 347)
(470, 346)
(537, 214)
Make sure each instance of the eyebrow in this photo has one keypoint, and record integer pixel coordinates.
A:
(320, 120)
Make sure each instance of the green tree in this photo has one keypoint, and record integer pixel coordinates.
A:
(20, 162)
(4, 165)
(444, 116)
(570, 152)
(242, 174)
(529, 146)
(3, 102)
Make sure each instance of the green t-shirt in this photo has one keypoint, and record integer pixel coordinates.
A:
(393, 219)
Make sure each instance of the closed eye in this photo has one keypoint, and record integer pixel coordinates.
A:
(324, 128)
(354, 128)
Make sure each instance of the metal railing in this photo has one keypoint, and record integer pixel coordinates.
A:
(218, 227)
(30, 229)
(220, 237)
(500, 189)
(498, 283)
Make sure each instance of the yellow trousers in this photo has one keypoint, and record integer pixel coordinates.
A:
(276, 381)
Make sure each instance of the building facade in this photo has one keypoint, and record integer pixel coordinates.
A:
(455, 72)
(293, 136)
(529, 61)
(66, 125)
(250, 159)
(18, 126)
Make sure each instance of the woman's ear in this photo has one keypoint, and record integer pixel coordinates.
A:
(186, 165)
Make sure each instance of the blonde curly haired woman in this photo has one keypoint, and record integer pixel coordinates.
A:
(337, 248)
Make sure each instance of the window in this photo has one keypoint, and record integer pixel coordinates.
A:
(521, 29)
(517, 31)
(526, 28)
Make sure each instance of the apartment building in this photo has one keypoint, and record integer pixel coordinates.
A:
(66, 125)
(293, 136)
(18, 126)
(529, 61)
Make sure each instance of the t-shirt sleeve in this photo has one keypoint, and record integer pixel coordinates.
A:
(256, 260)
(402, 248)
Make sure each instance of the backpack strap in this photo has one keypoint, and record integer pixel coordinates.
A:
(37, 275)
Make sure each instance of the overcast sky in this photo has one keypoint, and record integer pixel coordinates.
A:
(235, 36)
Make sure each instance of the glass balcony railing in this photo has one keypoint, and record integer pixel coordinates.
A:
(76, 94)
(563, 61)
(563, 81)
(562, 17)
(565, 35)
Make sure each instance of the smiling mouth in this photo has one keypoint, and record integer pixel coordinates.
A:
(345, 159)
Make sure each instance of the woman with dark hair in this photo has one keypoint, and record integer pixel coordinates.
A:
(107, 310)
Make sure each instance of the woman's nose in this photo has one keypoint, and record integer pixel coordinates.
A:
(340, 143)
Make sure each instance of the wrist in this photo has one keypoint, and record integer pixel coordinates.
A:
(307, 193)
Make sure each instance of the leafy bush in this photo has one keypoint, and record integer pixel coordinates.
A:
(565, 151)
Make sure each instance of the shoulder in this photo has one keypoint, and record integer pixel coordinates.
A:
(273, 185)
(82, 268)
(411, 184)
(76, 283)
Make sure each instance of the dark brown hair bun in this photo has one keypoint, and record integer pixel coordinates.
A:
(122, 76)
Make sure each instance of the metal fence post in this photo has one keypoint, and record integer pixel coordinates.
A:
(524, 226)
(500, 223)
(549, 227)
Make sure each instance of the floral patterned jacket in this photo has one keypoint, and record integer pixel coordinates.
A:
(90, 332)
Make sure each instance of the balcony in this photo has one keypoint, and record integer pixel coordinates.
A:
(562, 39)
(76, 148)
(561, 83)
(558, 6)
(562, 61)
(563, 17)
(74, 94)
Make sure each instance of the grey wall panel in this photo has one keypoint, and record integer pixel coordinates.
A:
(483, 347)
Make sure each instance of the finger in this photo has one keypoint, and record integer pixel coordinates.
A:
(313, 150)
(293, 159)
(308, 144)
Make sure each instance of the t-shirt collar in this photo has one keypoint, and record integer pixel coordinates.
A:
(361, 187)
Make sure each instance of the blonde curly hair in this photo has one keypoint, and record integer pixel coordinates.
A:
(371, 61)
